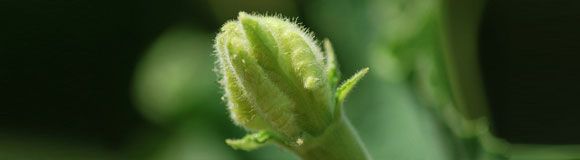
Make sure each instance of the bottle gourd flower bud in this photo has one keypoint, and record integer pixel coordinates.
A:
(277, 82)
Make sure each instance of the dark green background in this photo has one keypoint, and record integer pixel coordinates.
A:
(67, 67)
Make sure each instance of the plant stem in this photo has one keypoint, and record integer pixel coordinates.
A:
(339, 142)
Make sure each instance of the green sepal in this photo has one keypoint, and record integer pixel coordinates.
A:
(250, 141)
(348, 85)
(332, 70)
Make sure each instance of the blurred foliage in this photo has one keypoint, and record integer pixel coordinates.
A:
(176, 68)
(175, 87)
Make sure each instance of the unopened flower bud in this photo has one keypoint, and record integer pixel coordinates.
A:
(275, 78)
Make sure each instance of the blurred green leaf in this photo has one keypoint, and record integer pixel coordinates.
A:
(175, 75)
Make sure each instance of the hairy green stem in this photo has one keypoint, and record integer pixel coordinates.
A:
(339, 142)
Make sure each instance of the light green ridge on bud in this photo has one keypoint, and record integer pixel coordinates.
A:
(277, 84)
(242, 112)
(240, 108)
(271, 103)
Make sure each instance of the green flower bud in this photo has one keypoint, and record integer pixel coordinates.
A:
(275, 79)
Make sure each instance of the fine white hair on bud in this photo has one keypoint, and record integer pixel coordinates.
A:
(275, 79)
